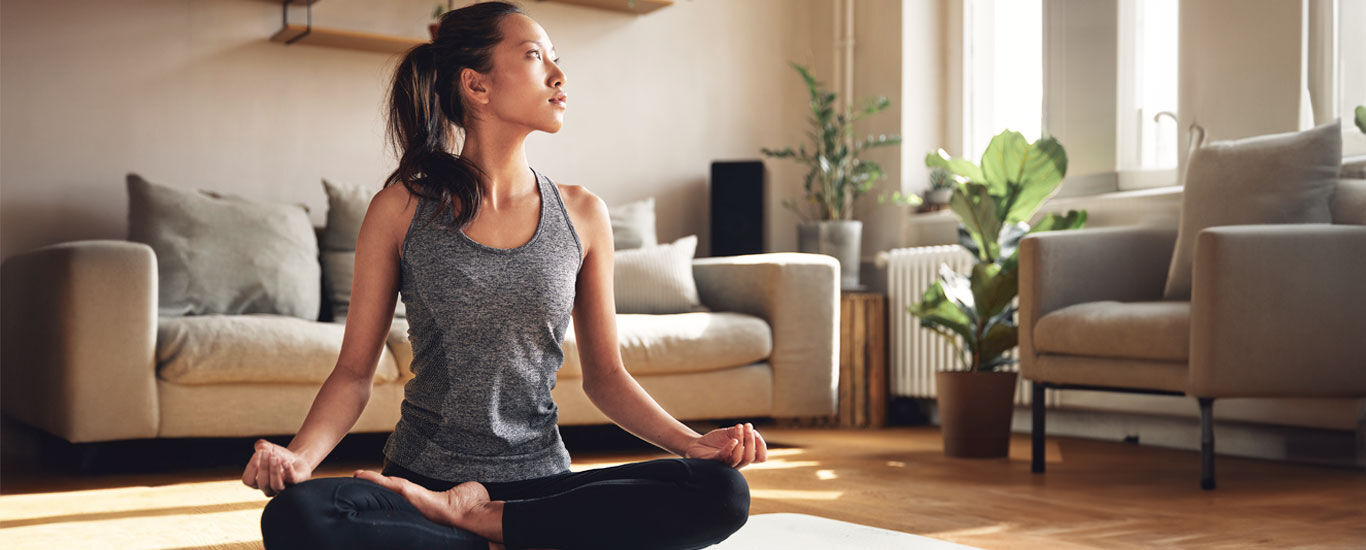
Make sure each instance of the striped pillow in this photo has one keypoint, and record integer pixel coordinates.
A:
(657, 279)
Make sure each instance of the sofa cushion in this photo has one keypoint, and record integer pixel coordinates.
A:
(656, 279)
(681, 343)
(1278, 178)
(217, 349)
(633, 224)
(346, 207)
(1130, 330)
(222, 253)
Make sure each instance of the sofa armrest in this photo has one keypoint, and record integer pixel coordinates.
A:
(79, 339)
(1277, 310)
(1063, 268)
(799, 295)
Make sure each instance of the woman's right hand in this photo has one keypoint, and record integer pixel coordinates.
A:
(272, 468)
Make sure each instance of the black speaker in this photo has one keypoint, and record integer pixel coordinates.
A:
(737, 207)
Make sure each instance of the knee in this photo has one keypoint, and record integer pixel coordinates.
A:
(292, 517)
(727, 492)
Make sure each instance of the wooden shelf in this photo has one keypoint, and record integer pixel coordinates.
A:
(340, 38)
(642, 6)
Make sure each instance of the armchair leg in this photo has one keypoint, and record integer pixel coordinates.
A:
(1206, 443)
(1036, 404)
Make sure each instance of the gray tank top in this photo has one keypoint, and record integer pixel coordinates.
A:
(486, 326)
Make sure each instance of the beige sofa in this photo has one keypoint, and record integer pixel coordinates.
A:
(1275, 311)
(85, 356)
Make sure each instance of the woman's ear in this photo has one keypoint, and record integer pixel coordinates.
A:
(473, 86)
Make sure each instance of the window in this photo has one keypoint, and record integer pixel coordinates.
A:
(1146, 101)
(1003, 71)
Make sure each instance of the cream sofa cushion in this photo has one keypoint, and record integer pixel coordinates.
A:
(681, 342)
(259, 347)
(1129, 330)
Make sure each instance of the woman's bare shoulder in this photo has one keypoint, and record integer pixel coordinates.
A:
(394, 206)
(587, 211)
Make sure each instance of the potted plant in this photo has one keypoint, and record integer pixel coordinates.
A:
(994, 201)
(835, 178)
(437, 12)
(941, 186)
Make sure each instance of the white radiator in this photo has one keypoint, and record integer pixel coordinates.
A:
(917, 353)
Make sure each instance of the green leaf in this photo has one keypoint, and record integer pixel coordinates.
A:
(1040, 171)
(935, 309)
(1002, 160)
(996, 341)
(976, 209)
(992, 289)
(1361, 117)
(962, 167)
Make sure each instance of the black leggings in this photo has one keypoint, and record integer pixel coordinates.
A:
(659, 504)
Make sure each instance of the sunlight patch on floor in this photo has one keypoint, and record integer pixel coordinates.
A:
(826, 474)
(216, 495)
(794, 494)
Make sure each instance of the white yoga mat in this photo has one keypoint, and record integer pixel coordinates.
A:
(788, 531)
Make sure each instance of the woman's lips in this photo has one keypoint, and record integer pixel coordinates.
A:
(558, 102)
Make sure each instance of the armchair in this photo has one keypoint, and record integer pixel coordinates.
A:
(1275, 311)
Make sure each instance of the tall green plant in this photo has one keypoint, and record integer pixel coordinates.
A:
(836, 176)
(994, 201)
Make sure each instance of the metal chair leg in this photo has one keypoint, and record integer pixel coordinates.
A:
(1036, 464)
(1206, 443)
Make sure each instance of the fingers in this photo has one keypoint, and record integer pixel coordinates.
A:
(738, 451)
(262, 475)
(761, 447)
(277, 471)
(249, 473)
(749, 444)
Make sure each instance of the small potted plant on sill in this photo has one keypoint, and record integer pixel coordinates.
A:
(975, 312)
(836, 177)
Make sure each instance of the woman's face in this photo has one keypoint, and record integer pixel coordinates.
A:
(525, 78)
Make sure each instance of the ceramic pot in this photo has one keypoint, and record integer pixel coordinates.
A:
(938, 196)
(974, 412)
(838, 238)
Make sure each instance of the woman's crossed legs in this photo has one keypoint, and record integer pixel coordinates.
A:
(667, 503)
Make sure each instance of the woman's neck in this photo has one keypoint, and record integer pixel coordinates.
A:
(504, 163)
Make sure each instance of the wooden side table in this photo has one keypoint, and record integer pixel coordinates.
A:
(863, 378)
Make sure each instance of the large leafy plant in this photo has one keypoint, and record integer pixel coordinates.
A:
(836, 176)
(994, 201)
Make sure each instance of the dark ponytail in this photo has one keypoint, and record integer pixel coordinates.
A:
(425, 108)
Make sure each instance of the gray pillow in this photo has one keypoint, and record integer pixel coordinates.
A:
(346, 206)
(226, 254)
(633, 224)
(656, 279)
(1276, 178)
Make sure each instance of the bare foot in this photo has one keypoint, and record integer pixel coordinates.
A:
(466, 505)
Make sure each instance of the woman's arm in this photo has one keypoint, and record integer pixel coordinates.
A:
(374, 291)
(605, 379)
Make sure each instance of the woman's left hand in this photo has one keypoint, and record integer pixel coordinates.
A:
(737, 445)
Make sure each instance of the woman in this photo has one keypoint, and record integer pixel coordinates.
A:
(476, 460)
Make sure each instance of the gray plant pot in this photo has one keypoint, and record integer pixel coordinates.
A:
(838, 238)
(939, 196)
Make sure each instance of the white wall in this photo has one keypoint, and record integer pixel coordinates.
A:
(193, 93)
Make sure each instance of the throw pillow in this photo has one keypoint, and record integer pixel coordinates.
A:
(226, 254)
(633, 224)
(1276, 178)
(346, 206)
(657, 279)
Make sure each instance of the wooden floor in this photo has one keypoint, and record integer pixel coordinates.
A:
(1095, 495)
